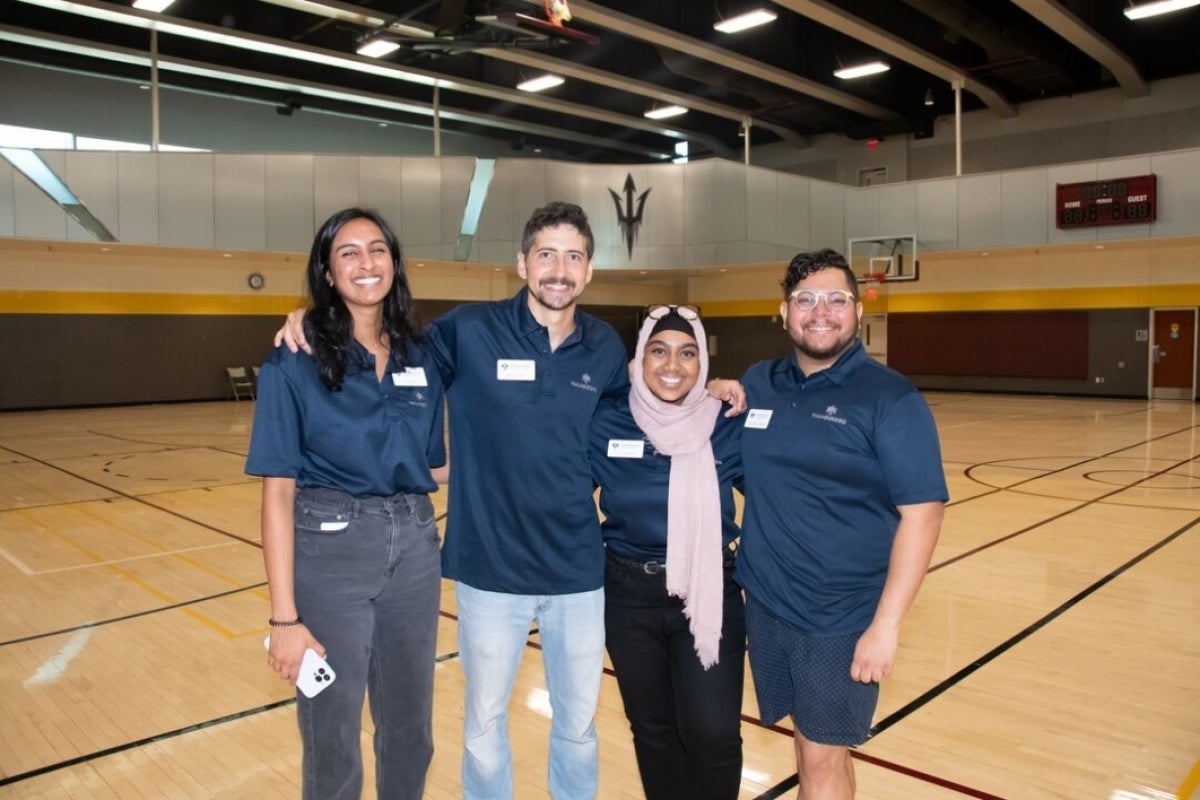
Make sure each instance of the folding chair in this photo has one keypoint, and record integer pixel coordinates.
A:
(241, 382)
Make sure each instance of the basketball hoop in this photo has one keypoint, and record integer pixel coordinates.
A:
(871, 280)
(557, 12)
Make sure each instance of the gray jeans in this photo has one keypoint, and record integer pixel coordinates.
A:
(369, 591)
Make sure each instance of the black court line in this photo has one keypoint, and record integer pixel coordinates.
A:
(71, 762)
(1041, 474)
(143, 501)
(147, 612)
(788, 783)
(791, 783)
(986, 658)
(159, 737)
(1016, 639)
(917, 703)
(1082, 504)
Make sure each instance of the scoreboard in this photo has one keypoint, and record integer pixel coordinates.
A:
(1114, 201)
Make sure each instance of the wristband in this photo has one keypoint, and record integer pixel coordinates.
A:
(276, 623)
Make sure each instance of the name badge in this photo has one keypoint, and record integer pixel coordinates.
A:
(412, 376)
(626, 448)
(516, 369)
(758, 418)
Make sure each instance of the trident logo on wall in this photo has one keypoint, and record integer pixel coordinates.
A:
(627, 218)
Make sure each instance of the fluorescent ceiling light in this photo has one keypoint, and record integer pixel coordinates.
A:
(345, 14)
(662, 112)
(1160, 7)
(540, 83)
(862, 70)
(157, 6)
(751, 19)
(252, 42)
(377, 48)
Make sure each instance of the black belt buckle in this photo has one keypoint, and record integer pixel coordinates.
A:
(647, 567)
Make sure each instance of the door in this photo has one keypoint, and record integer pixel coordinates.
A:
(874, 336)
(1173, 354)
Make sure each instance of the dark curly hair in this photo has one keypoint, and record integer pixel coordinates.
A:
(804, 264)
(328, 325)
(557, 213)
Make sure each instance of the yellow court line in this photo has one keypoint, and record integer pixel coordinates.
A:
(204, 568)
(212, 624)
(1188, 788)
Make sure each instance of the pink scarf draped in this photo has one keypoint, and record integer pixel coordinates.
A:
(684, 432)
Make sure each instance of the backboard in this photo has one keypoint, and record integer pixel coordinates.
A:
(894, 258)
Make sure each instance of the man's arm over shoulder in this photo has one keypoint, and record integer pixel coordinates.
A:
(441, 337)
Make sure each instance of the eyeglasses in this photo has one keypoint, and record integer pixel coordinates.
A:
(658, 311)
(835, 299)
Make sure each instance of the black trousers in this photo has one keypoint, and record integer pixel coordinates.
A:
(686, 720)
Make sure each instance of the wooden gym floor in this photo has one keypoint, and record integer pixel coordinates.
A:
(1054, 651)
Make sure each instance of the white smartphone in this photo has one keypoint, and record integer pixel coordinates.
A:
(315, 672)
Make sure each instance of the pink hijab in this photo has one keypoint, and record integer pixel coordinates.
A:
(684, 432)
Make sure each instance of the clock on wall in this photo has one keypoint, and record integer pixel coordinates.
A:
(1114, 201)
(255, 280)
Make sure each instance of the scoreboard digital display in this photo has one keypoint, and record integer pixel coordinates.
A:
(1115, 201)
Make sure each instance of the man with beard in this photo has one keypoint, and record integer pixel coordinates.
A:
(844, 501)
(523, 377)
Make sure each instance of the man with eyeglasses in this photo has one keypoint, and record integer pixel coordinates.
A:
(844, 501)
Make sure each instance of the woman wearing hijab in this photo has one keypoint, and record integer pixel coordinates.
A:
(666, 461)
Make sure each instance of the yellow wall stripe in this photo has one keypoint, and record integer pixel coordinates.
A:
(49, 302)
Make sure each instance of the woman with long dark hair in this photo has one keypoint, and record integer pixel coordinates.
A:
(346, 441)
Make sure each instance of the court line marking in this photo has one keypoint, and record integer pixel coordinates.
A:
(158, 737)
(16, 562)
(1021, 636)
(1081, 505)
(138, 499)
(787, 783)
(134, 615)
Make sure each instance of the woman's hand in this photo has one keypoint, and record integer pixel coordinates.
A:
(286, 650)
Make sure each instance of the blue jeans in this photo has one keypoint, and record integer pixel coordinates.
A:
(492, 632)
(370, 594)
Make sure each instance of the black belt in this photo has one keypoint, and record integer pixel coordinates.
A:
(728, 561)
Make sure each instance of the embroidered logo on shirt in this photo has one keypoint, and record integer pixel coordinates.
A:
(418, 400)
(830, 415)
(585, 382)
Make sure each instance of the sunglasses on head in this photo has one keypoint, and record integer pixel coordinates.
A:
(659, 310)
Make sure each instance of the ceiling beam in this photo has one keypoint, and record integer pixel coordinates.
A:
(351, 62)
(835, 18)
(612, 80)
(1058, 19)
(340, 94)
(635, 28)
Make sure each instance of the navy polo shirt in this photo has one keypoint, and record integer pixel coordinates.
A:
(372, 438)
(521, 516)
(824, 474)
(633, 491)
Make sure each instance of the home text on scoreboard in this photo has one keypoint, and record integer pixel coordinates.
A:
(1114, 201)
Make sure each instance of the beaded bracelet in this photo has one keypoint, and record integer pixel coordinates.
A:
(274, 623)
